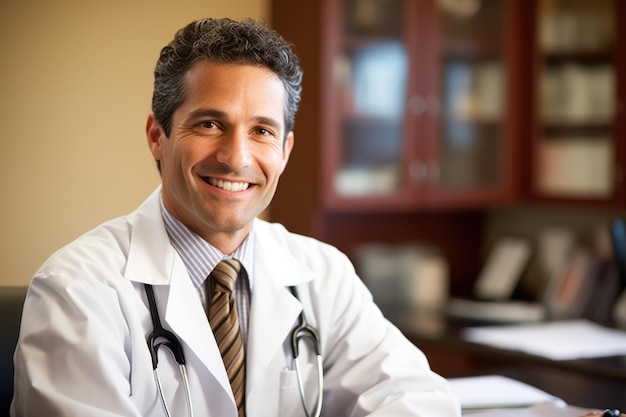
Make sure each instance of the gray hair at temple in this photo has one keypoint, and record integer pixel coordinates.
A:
(224, 41)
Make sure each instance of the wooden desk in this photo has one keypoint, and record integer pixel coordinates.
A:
(595, 383)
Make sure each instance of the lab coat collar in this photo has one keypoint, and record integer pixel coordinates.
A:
(274, 257)
(151, 257)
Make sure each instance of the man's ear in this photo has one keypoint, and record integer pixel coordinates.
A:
(155, 136)
(287, 147)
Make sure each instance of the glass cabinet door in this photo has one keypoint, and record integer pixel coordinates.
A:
(420, 88)
(371, 73)
(469, 152)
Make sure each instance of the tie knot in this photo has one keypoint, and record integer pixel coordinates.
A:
(225, 274)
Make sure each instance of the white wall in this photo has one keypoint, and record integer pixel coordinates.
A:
(75, 90)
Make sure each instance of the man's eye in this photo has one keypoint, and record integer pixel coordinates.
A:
(207, 124)
(263, 132)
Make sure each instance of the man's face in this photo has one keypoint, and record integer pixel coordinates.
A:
(221, 163)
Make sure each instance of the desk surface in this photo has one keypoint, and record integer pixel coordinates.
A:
(437, 330)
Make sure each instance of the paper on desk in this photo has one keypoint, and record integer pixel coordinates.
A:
(549, 409)
(496, 391)
(560, 340)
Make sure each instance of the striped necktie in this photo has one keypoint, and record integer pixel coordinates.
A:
(226, 327)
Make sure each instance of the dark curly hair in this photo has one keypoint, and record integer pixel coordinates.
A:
(225, 41)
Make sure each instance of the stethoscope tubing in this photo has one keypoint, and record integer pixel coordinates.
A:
(320, 387)
(301, 331)
(162, 337)
(183, 373)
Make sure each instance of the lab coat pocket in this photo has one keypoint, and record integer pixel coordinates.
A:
(290, 399)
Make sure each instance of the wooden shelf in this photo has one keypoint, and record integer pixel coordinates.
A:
(568, 130)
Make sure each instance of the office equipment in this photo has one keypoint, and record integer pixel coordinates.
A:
(494, 293)
(503, 269)
(618, 238)
(410, 274)
(512, 311)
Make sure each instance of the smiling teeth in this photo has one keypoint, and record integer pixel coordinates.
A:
(229, 186)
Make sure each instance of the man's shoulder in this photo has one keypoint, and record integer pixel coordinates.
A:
(277, 231)
(299, 244)
(108, 241)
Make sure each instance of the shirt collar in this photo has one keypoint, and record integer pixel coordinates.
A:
(199, 256)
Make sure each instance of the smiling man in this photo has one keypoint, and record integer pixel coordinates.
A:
(259, 321)
(227, 146)
(226, 149)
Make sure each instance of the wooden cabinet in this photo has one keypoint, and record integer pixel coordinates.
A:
(578, 74)
(420, 107)
(409, 122)
(418, 115)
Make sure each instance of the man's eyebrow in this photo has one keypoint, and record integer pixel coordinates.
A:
(268, 121)
(204, 112)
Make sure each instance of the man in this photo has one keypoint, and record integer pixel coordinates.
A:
(221, 131)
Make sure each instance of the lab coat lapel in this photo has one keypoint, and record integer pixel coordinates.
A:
(274, 310)
(153, 260)
(188, 320)
(150, 254)
(273, 313)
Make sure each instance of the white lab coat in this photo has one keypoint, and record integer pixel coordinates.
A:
(82, 347)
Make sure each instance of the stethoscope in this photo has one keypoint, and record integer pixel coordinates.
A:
(162, 337)
(303, 330)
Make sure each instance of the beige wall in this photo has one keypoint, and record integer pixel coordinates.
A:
(75, 90)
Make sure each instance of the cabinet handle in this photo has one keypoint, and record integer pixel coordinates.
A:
(418, 172)
(417, 105)
(433, 172)
(434, 105)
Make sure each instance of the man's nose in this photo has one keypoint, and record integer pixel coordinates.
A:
(235, 150)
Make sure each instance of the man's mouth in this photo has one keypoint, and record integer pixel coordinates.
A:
(228, 185)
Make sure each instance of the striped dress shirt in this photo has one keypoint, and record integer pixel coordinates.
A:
(200, 258)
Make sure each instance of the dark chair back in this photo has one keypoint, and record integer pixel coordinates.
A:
(11, 303)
